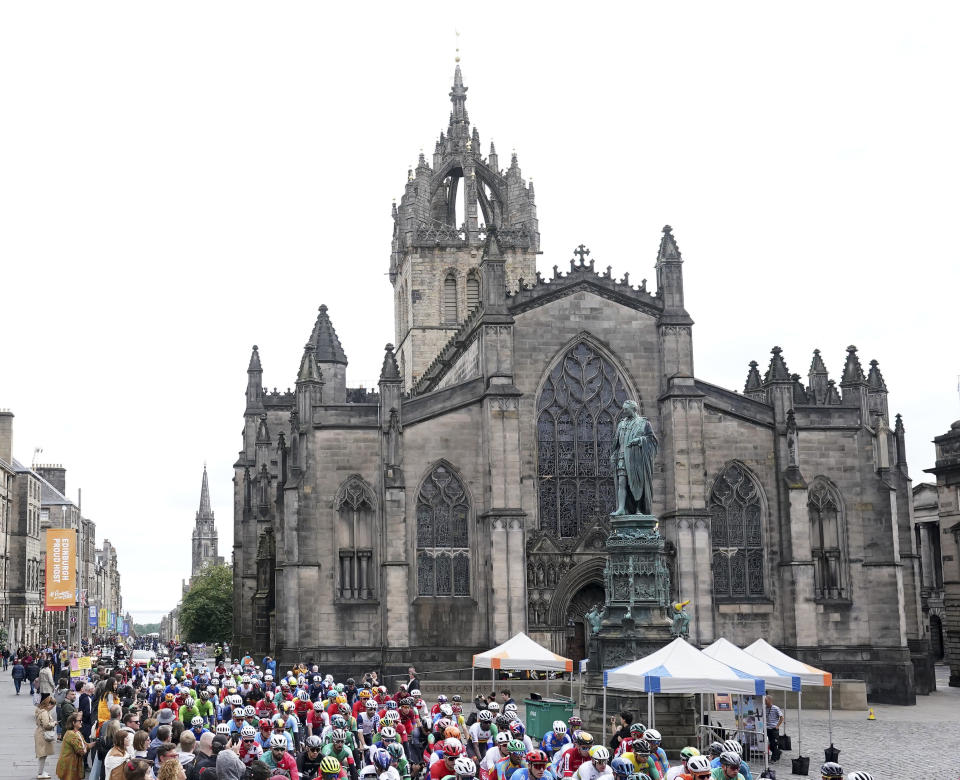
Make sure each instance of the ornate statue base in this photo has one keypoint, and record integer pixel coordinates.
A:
(634, 621)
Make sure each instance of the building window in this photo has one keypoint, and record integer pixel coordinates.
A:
(443, 554)
(577, 413)
(736, 533)
(450, 300)
(354, 505)
(826, 541)
(473, 292)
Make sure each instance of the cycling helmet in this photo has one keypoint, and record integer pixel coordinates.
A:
(381, 759)
(313, 741)
(239, 712)
(451, 732)
(584, 738)
(388, 733)
(536, 756)
(620, 766)
(510, 708)
(248, 731)
(689, 752)
(732, 746)
(364, 693)
(600, 753)
(303, 696)
(456, 697)
(264, 723)
(715, 749)
(329, 766)
(574, 722)
(392, 716)
(371, 704)
(223, 728)
(406, 701)
(445, 709)
(832, 770)
(452, 747)
(637, 729)
(338, 735)
(205, 693)
(249, 711)
(731, 758)
(236, 700)
(493, 707)
(559, 727)
(464, 767)
(860, 776)
(395, 749)
(502, 737)
(169, 697)
(517, 729)
(340, 687)
(278, 741)
(640, 747)
(318, 706)
(441, 699)
(486, 716)
(392, 705)
(652, 735)
(188, 702)
(516, 746)
(441, 724)
(196, 720)
(415, 692)
(338, 722)
(245, 679)
(699, 764)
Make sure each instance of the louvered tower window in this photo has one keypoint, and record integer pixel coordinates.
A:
(450, 300)
(473, 292)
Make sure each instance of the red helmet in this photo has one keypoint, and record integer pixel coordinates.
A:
(265, 724)
(453, 747)
(537, 757)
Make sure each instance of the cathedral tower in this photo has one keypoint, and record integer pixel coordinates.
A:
(204, 533)
(439, 230)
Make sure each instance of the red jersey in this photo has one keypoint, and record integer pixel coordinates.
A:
(315, 720)
(301, 708)
(571, 760)
(439, 770)
(266, 708)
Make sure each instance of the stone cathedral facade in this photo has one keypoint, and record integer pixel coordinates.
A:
(468, 497)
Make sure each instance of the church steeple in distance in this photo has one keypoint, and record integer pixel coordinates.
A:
(204, 532)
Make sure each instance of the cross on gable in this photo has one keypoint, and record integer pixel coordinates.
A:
(581, 252)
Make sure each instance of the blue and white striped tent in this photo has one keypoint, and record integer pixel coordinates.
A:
(680, 668)
(728, 653)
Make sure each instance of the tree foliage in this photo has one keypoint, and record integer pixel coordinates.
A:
(146, 628)
(206, 614)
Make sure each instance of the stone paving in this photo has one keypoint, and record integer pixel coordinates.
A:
(903, 743)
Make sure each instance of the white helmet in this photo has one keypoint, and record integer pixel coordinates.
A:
(248, 731)
(196, 720)
(559, 727)
(236, 700)
(503, 737)
(698, 764)
(485, 716)
(493, 707)
(652, 735)
(239, 712)
(188, 702)
(446, 709)
(600, 753)
(223, 728)
(278, 741)
(249, 710)
(464, 767)
(733, 746)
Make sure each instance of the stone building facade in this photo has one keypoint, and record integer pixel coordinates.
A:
(927, 533)
(947, 472)
(205, 544)
(468, 498)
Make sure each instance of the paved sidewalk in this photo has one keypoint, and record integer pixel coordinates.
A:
(17, 759)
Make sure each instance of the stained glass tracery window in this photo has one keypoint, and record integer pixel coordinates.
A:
(737, 535)
(443, 555)
(826, 541)
(577, 413)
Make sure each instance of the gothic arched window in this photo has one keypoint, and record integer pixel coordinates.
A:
(576, 423)
(443, 546)
(736, 534)
(826, 541)
(473, 292)
(450, 300)
(354, 505)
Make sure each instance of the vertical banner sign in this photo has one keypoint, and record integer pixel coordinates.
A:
(109, 621)
(93, 616)
(61, 581)
(103, 618)
(126, 628)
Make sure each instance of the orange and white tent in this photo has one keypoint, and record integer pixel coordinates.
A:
(521, 653)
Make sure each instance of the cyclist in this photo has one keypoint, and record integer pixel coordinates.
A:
(636, 732)
(831, 771)
(250, 750)
(317, 719)
(493, 755)
(698, 768)
(729, 768)
(399, 761)
(685, 755)
(597, 767)
(338, 749)
(658, 754)
(554, 738)
(641, 760)
(205, 708)
(481, 734)
(732, 746)
(570, 760)
(518, 731)
(278, 757)
(451, 749)
(506, 767)
(330, 769)
(537, 768)
(308, 762)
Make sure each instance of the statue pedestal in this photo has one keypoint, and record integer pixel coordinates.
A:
(634, 621)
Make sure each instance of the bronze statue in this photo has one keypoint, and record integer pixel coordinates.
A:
(634, 451)
(681, 621)
(595, 617)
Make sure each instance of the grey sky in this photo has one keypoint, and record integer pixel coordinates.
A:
(179, 181)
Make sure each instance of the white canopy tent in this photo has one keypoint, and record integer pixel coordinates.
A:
(520, 653)
(809, 675)
(677, 668)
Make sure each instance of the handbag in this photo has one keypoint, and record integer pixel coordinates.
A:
(50, 735)
(36, 698)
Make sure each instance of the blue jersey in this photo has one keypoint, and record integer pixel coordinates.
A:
(524, 774)
(551, 743)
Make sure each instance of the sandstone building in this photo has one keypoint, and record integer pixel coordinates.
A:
(468, 498)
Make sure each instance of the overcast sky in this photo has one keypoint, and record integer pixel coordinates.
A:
(182, 180)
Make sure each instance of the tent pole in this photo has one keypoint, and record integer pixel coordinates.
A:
(762, 732)
(653, 711)
(473, 683)
(604, 742)
(799, 721)
(493, 681)
(830, 715)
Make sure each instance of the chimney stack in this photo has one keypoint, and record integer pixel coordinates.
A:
(6, 435)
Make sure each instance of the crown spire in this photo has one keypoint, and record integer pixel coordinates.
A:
(777, 370)
(753, 379)
(852, 370)
(875, 378)
(668, 246)
(459, 121)
(390, 370)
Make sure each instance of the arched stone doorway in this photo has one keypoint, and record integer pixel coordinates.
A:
(581, 603)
